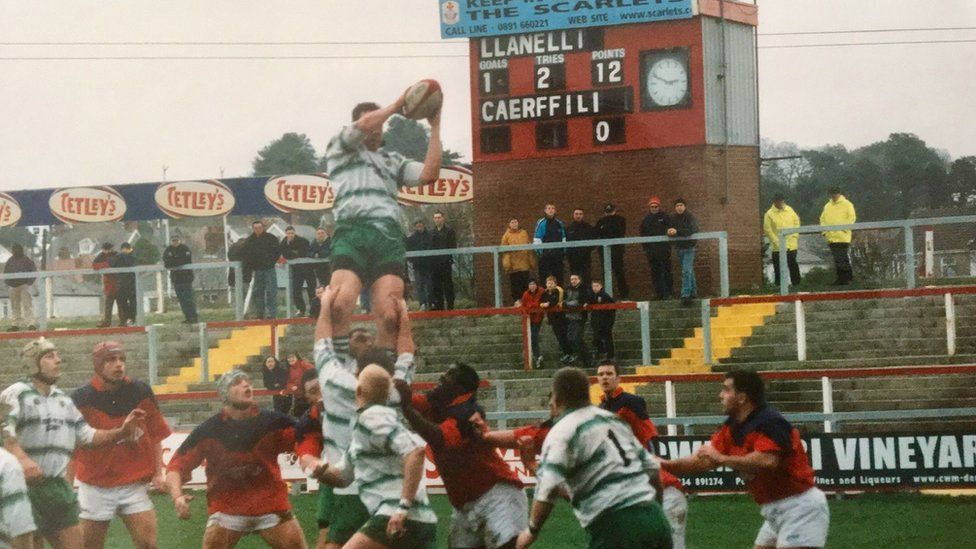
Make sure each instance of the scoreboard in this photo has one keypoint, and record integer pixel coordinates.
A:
(587, 90)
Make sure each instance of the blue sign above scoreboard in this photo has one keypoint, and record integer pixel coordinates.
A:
(472, 18)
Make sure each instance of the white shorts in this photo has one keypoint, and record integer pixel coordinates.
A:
(492, 520)
(676, 509)
(103, 504)
(797, 521)
(247, 524)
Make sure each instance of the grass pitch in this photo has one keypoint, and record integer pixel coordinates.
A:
(892, 521)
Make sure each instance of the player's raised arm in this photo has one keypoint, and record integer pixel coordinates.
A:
(405, 342)
(373, 121)
(323, 327)
(432, 162)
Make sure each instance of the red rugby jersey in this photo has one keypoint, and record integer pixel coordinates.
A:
(469, 466)
(765, 430)
(633, 410)
(125, 462)
(243, 477)
(308, 433)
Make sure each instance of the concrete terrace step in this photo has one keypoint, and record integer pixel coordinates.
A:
(826, 364)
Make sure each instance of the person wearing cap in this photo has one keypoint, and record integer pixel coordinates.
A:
(42, 430)
(175, 255)
(112, 480)
(126, 296)
(520, 264)
(614, 225)
(658, 254)
(682, 224)
(245, 492)
(839, 211)
(110, 283)
(780, 216)
(16, 519)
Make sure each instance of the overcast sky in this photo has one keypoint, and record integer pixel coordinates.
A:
(111, 121)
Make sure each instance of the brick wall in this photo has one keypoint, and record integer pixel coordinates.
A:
(521, 188)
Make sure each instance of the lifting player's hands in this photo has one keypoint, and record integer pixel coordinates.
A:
(32, 471)
(397, 525)
(527, 452)
(326, 296)
(709, 455)
(405, 391)
(182, 506)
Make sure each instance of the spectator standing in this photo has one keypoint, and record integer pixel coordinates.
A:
(576, 296)
(127, 285)
(260, 255)
(275, 376)
(839, 211)
(658, 254)
(550, 229)
(320, 248)
(531, 299)
(579, 258)
(613, 225)
(110, 284)
(682, 223)
(296, 369)
(419, 241)
(442, 238)
(780, 216)
(518, 264)
(552, 302)
(175, 255)
(302, 276)
(21, 302)
(235, 252)
(602, 320)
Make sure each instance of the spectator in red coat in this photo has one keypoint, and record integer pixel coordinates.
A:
(530, 304)
(296, 368)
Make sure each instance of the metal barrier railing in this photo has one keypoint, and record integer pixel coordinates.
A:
(906, 225)
(800, 317)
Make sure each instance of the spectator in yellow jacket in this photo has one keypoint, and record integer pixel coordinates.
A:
(839, 211)
(518, 264)
(780, 216)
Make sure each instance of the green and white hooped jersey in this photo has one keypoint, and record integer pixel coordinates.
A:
(379, 444)
(16, 517)
(48, 428)
(337, 381)
(595, 456)
(367, 182)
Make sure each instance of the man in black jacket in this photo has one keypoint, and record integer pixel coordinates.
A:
(126, 297)
(577, 295)
(320, 248)
(419, 240)
(579, 258)
(302, 276)
(682, 223)
(601, 320)
(178, 254)
(21, 302)
(658, 254)
(259, 255)
(442, 238)
(613, 225)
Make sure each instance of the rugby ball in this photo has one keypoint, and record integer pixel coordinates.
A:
(422, 100)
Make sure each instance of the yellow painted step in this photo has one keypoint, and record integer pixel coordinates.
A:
(229, 352)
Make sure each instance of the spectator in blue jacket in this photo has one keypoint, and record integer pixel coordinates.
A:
(550, 229)
(682, 223)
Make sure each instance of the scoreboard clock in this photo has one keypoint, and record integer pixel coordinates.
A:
(580, 91)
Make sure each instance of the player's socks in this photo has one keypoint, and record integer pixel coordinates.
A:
(341, 345)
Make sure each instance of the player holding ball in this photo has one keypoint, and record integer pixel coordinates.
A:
(368, 245)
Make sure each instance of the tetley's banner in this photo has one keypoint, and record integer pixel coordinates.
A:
(469, 18)
(206, 198)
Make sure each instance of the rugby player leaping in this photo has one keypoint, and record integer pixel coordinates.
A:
(368, 246)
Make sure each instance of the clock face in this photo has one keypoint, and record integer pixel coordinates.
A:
(667, 82)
